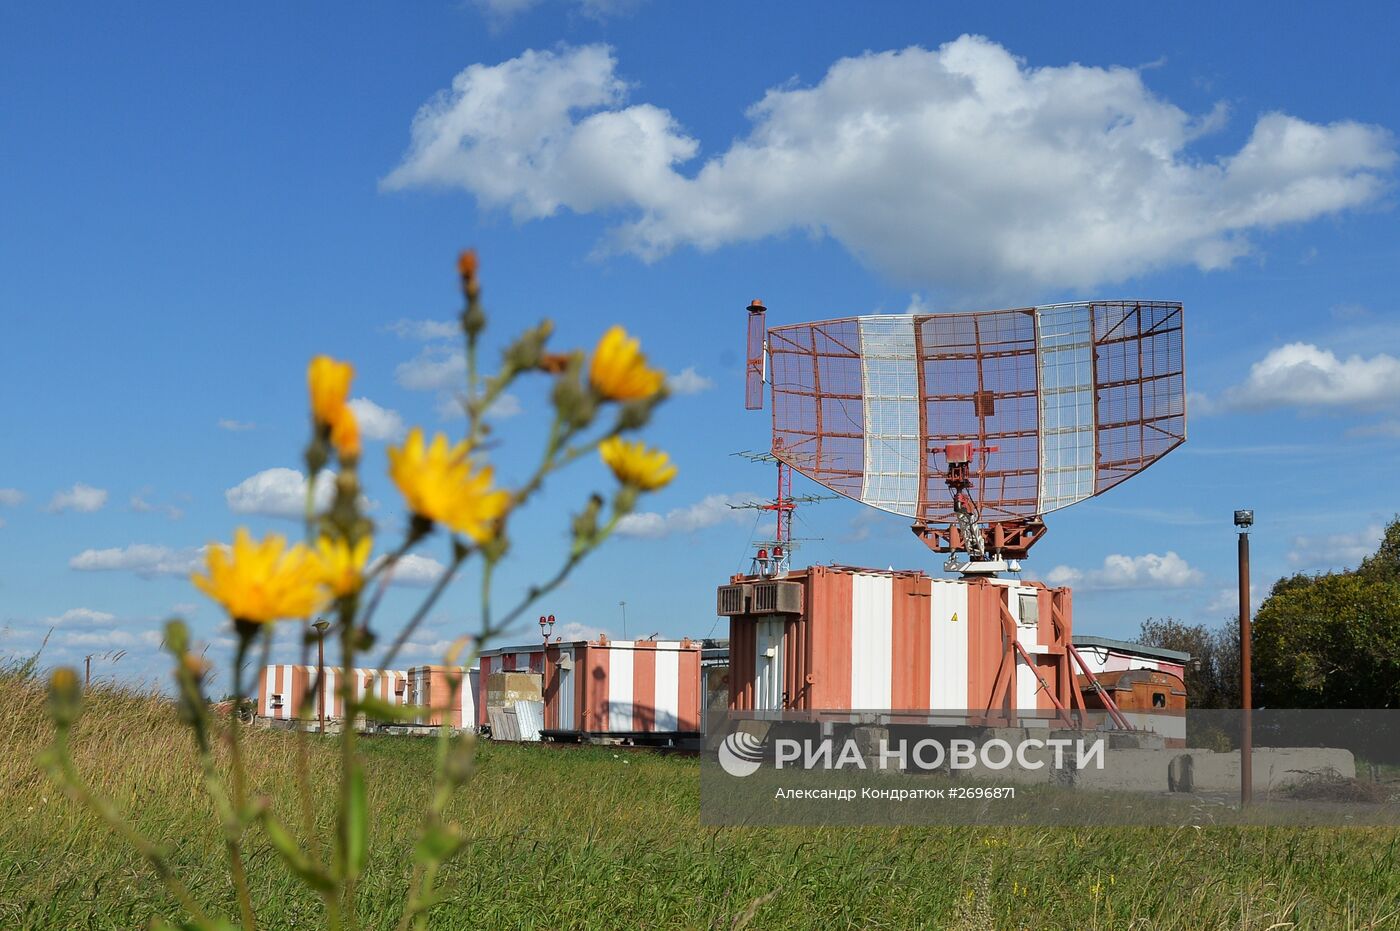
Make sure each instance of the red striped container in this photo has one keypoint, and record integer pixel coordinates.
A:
(432, 688)
(283, 687)
(873, 640)
(620, 688)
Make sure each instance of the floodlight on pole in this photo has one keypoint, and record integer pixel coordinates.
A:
(321, 626)
(1244, 520)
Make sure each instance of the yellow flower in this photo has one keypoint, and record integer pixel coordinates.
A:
(345, 434)
(439, 484)
(329, 382)
(263, 582)
(343, 566)
(635, 465)
(619, 371)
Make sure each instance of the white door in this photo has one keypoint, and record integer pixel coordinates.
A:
(566, 691)
(768, 665)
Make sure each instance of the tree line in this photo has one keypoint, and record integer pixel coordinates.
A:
(1325, 640)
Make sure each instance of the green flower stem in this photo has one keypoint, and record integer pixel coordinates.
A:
(303, 764)
(425, 872)
(229, 817)
(536, 592)
(234, 825)
(59, 764)
(344, 869)
(386, 567)
(459, 554)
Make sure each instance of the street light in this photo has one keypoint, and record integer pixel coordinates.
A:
(1244, 520)
(546, 628)
(321, 626)
(623, 606)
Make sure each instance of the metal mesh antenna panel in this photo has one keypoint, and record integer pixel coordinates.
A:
(1075, 398)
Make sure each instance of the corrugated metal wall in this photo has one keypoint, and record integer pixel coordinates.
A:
(884, 640)
(611, 687)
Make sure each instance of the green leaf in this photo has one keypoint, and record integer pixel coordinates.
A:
(377, 709)
(291, 853)
(437, 844)
(357, 824)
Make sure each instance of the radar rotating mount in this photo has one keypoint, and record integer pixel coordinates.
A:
(998, 547)
(974, 425)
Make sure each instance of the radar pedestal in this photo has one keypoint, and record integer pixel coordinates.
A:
(972, 548)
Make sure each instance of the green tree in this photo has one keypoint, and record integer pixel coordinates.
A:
(1330, 641)
(1213, 674)
(1384, 564)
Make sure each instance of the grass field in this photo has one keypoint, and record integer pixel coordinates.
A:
(592, 838)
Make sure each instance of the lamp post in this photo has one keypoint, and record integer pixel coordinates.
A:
(623, 606)
(546, 628)
(1244, 520)
(321, 626)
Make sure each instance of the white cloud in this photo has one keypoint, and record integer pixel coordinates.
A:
(573, 630)
(435, 368)
(1388, 429)
(147, 560)
(236, 426)
(1149, 570)
(1336, 550)
(376, 423)
(11, 497)
(80, 616)
(506, 405)
(499, 12)
(1227, 601)
(708, 512)
(109, 639)
(279, 492)
(415, 570)
(1304, 375)
(141, 505)
(425, 330)
(960, 166)
(689, 381)
(81, 498)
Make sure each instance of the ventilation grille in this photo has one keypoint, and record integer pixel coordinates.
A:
(777, 598)
(732, 600)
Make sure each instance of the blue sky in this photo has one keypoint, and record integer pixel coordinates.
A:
(196, 198)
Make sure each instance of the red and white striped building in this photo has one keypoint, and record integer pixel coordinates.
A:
(282, 688)
(831, 638)
(645, 688)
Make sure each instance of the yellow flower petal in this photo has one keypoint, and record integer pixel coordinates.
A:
(329, 384)
(619, 370)
(263, 582)
(345, 434)
(343, 566)
(440, 484)
(635, 465)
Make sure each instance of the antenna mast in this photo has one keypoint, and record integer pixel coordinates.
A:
(774, 557)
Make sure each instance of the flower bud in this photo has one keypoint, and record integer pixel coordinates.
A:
(65, 696)
(585, 524)
(527, 352)
(177, 637)
(460, 759)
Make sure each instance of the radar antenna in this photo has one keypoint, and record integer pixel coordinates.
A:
(1016, 412)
